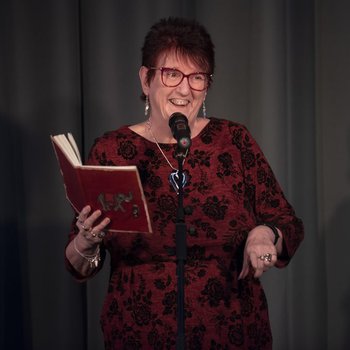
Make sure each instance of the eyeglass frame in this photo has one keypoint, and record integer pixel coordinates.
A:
(162, 69)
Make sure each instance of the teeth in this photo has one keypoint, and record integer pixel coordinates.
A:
(179, 102)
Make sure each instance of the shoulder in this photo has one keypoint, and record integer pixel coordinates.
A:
(224, 129)
(115, 147)
(109, 141)
(225, 124)
(113, 136)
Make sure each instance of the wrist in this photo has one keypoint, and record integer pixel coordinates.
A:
(92, 259)
(85, 245)
(274, 231)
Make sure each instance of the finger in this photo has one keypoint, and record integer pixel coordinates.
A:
(274, 259)
(83, 215)
(259, 269)
(244, 273)
(102, 225)
(250, 259)
(265, 262)
(97, 232)
(254, 260)
(245, 268)
(262, 264)
(101, 234)
(90, 220)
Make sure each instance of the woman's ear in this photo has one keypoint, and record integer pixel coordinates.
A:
(143, 79)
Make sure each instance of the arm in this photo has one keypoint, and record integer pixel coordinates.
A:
(266, 200)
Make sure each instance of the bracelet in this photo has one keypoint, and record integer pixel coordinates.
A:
(92, 259)
(274, 230)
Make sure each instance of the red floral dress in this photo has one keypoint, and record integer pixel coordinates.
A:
(230, 190)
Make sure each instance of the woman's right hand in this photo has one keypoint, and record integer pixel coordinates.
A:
(83, 252)
(90, 227)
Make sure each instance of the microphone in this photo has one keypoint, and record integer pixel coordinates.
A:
(178, 124)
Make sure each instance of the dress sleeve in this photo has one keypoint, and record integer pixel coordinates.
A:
(112, 148)
(264, 196)
(77, 276)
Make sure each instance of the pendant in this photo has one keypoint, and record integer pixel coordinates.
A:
(174, 180)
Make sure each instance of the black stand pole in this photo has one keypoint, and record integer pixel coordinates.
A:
(181, 254)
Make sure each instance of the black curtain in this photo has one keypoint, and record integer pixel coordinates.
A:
(70, 65)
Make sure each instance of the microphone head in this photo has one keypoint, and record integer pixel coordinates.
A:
(176, 118)
(178, 124)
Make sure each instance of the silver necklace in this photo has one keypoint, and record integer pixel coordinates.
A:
(174, 175)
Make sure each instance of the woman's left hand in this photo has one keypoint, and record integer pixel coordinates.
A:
(259, 251)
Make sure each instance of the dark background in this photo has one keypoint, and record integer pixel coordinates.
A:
(69, 65)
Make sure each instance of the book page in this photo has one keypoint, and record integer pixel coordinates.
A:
(74, 146)
(66, 146)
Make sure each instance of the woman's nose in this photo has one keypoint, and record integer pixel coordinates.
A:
(184, 86)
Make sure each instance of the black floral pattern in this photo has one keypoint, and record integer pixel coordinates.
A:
(215, 208)
(127, 150)
(169, 303)
(231, 189)
(225, 167)
(235, 335)
(213, 293)
(199, 158)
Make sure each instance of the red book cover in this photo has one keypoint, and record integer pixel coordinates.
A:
(115, 190)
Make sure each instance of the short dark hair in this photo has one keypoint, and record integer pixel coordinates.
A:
(186, 37)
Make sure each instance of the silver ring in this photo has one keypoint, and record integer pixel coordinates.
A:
(101, 234)
(266, 257)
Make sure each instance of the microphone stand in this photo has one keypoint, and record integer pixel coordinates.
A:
(181, 255)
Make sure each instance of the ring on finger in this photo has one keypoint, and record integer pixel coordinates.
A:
(93, 234)
(85, 228)
(101, 234)
(79, 220)
(266, 257)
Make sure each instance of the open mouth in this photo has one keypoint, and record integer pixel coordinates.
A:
(179, 102)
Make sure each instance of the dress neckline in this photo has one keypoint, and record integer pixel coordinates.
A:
(171, 143)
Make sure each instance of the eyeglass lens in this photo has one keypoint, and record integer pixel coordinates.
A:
(173, 77)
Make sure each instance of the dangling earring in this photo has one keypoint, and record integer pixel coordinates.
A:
(204, 110)
(146, 106)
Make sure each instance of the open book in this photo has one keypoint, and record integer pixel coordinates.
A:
(115, 190)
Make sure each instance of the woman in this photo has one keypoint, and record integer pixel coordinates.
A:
(239, 222)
